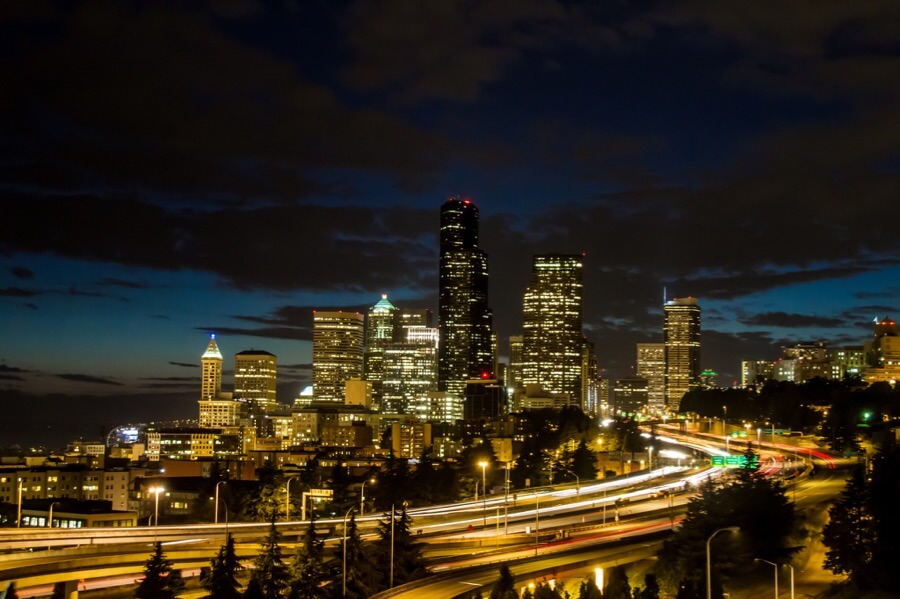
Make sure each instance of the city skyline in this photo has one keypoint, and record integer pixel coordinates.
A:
(262, 163)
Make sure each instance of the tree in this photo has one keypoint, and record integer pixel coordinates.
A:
(308, 572)
(269, 572)
(159, 582)
(11, 591)
(505, 587)
(254, 590)
(588, 590)
(650, 590)
(584, 462)
(408, 563)
(359, 573)
(222, 580)
(59, 591)
(617, 585)
(849, 534)
(884, 497)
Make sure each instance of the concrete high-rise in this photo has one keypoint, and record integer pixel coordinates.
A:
(651, 365)
(254, 379)
(552, 340)
(410, 370)
(337, 352)
(681, 335)
(464, 319)
(211, 373)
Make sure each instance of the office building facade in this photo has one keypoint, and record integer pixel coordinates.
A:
(255, 374)
(651, 365)
(552, 340)
(681, 335)
(337, 352)
(464, 319)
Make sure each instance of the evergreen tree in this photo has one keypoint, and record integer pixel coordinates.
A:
(617, 585)
(849, 534)
(584, 462)
(505, 587)
(59, 591)
(253, 590)
(359, 572)
(269, 571)
(650, 590)
(588, 590)
(408, 561)
(308, 571)
(222, 580)
(884, 497)
(160, 581)
(545, 591)
(11, 592)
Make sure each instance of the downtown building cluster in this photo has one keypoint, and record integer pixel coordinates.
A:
(875, 360)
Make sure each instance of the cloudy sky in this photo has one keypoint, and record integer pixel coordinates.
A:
(171, 169)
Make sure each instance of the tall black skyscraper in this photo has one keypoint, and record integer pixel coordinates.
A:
(464, 318)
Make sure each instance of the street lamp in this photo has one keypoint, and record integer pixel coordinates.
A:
(221, 482)
(19, 505)
(362, 495)
(50, 514)
(391, 580)
(287, 498)
(773, 564)
(156, 491)
(344, 593)
(792, 579)
(709, 560)
(484, 464)
(650, 457)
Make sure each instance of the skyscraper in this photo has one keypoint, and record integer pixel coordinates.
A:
(337, 352)
(254, 379)
(410, 370)
(464, 319)
(552, 340)
(651, 365)
(380, 324)
(211, 375)
(681, 335)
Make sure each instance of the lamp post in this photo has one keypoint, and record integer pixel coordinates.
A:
(537, 521)
(774, 565)
(792, 579)
(344, 592)
(216, 519)
(483, 464)
(19, 505)
(287, 498)
(50, 514)
(709, 559)
(362, 495)
(650, 457)
(156, 491)
(391, 583)
(758, 437)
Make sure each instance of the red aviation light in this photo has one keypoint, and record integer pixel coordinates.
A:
(485, 374)
(467, 201)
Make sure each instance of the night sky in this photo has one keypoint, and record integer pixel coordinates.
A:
(171, 169)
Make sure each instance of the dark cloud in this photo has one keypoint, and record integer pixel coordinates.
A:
(87, 378)
(266, 332)
(18, 292)
(227, 120)
(10, 377)
(113, 282)
(184, 365)
(307, 366)
(21, 272)
(182, 379)
(5, 368)
(796, 321)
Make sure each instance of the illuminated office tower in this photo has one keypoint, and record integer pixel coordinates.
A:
(337, 353)
(651, 365)
(590, 379)
(681, 335)
(464, 319)
(410, 370)
(211, 375)
(514, 372)
(380, 324)
(552, 340)
(254, 380)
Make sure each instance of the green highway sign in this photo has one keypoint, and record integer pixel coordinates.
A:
(732, 461)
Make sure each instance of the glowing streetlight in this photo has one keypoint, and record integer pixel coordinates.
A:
(287, 498)
(50, 514)
(156, 491)
(216, 519)
(709, 560)
(484, 464)
(362, 496)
